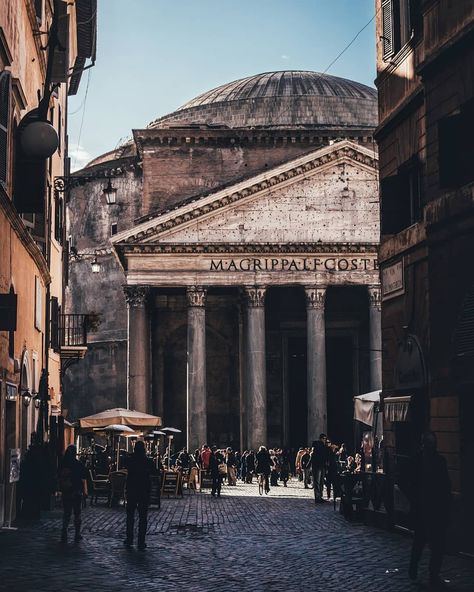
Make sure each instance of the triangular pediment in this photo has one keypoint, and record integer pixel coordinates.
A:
(330, 190)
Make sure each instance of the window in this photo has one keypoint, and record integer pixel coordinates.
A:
(11, 335)
(113, 229)
(58, 217)
(456, 150)
(401, 204)
(55, 312)
(401, 20)
(5, 93)
(38, 303)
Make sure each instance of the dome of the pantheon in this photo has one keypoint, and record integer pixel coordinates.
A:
(286, 99)
(290, 99)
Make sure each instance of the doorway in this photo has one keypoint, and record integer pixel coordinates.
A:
(340, 388)
(297, 395)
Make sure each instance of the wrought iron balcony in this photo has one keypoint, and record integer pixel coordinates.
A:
(69, 334)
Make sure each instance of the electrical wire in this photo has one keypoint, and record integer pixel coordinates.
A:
(340, 54)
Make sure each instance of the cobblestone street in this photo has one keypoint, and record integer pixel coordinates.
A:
(239, 542)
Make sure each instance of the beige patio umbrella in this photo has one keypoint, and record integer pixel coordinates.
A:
(120, 416)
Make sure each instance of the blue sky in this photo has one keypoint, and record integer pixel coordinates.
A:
(160, 54)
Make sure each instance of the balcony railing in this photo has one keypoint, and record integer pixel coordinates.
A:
(72, 330)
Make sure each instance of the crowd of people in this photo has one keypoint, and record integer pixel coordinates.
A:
(317, 466)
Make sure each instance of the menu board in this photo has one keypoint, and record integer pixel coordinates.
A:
(170, 483)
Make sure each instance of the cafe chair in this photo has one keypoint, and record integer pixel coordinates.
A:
(99, 486)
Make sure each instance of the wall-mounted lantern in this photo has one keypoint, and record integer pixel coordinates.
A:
(110, 193)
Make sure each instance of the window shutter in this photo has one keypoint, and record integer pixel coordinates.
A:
(5, 92)
(387, 29)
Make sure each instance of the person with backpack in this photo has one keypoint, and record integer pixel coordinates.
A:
(72, 482)
(140, 469)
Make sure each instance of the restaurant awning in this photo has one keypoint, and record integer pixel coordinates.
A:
(121, 417)
(364, 407)
(396, 408)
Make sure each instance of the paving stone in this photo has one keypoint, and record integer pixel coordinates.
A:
(241, 541)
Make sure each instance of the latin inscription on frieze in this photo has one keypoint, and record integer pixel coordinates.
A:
(313, 264)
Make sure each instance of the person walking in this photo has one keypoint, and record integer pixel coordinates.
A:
(263, 465)
(331, 469)
(250, 461)
(305, 464)
(285, 467)
(318, 466)
(431, 502)
(215, 460)
(140, 469)
(298, 469)
(231, 467)
(72, 481)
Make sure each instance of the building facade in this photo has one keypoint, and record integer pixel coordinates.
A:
(425, 82)
(34, 84)
(244, 229)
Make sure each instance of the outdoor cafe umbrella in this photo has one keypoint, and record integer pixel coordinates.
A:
(120, 416)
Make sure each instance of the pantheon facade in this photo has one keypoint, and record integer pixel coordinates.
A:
(238, 295)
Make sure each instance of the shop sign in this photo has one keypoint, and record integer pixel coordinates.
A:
(393, 281)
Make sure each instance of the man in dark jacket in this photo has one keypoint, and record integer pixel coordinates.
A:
(318, 466)
(263, 465)
(431, 501)
(305, 465)
(250, 462)
(72, 482)
(140, 469)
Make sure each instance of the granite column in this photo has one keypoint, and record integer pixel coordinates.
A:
(256, 390)
(138, 353)
(316, 361)
(196, 368)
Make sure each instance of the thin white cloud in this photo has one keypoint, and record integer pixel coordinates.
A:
(79, 156)
(285, 57)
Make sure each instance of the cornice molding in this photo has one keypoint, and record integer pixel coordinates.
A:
(7, 207)
(246, 248)
(201, 135)
(293, 170)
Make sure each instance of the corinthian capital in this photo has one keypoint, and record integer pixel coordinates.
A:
(375, 296)
(316, 297)
(255, 297)
(136, 296)
(196, 296)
